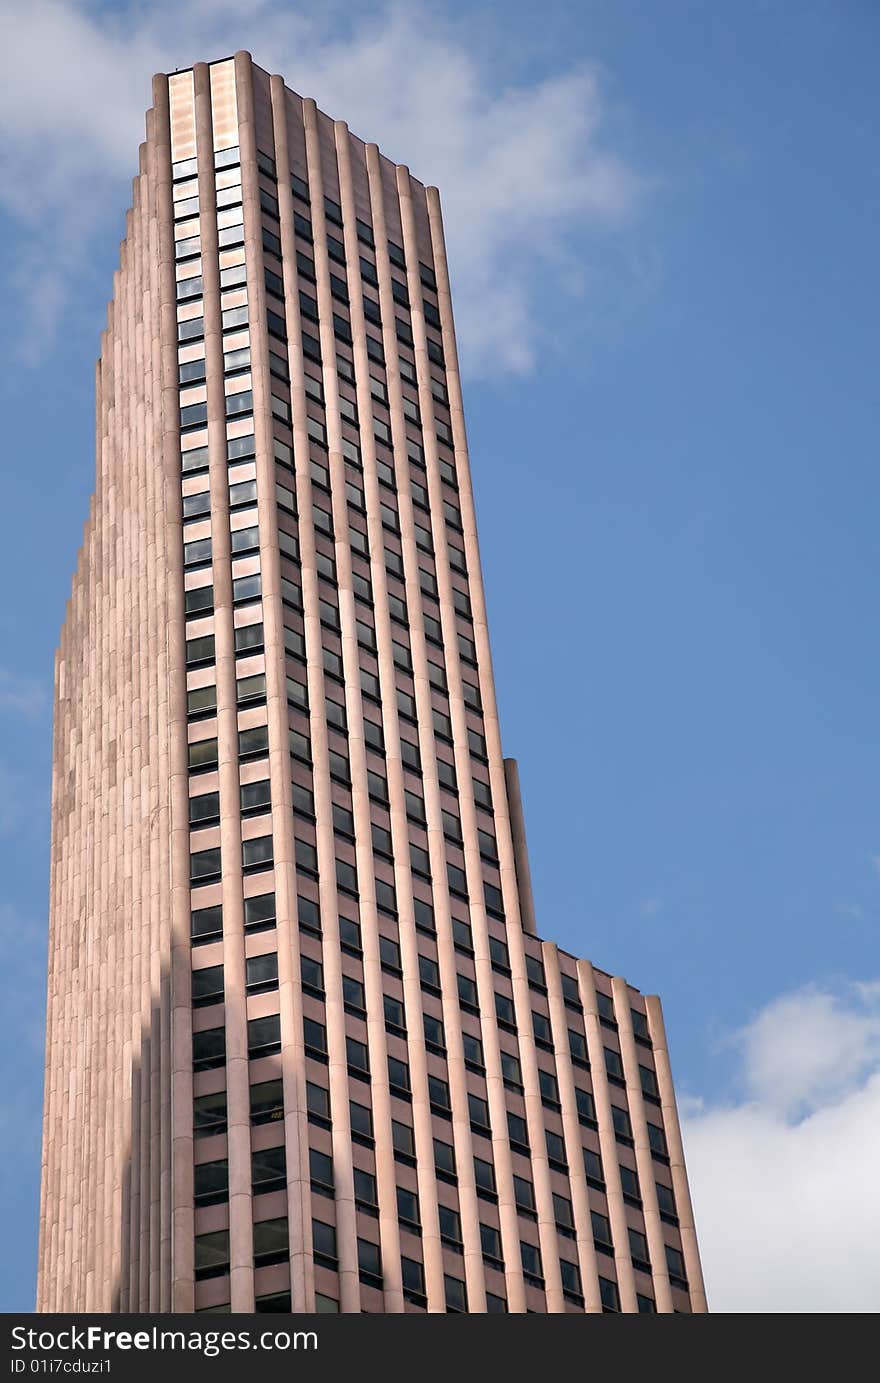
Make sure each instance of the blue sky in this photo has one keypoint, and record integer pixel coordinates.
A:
(678, 502)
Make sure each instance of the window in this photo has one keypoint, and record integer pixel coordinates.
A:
(398, 1076)
(657, 1140)
(571, 1278)
(586, 1107)
(433, 1030)
(318, 1103)
(467, 990)
(309, 914)
(629, 1182)
(577, 1046)
(259, 912)
(490, 1238)
(564, 1214)
(614, 1064)
(549, 1088)
(457, 880)
(268, 1170)
(478, 1110)
(638, 1247)
(484, 1176)
(253, 742)
(278, 1302)
(256, 854)
(429, 973)
(321, 1172)
(205, 866)
(518, 1132)
(494, 900)
(202, 701)
(306, 856)
(530, 1255)
(381, 839)
(621, 1121)
(346, 876)
(389, 952)
(555, 1148)
(270, 1242)
(353, 994)
(541, 1029)
(261, 973)
(535, 971)
(211, 1255)
(369, 1262)
(646, 1305)
(640, 1025)
(413, 1276)
(209, 1114)
(601, 1231)
(605, 1006)
(203, 755)
(350, 935)
(211, 1182)
(324, 1243)
(361, 1118)
(365, 1190)
(648, 1079)
(495, 1305)
(209, 1049)
(267, 1102)
(408, 1207)
(255, 797)
(444, 1161)
(524, 1195)
(207, 986)
(248, 639)
(204, 810)
(315, 1038)
(312, 974)
(197, 506)
(666, 1200)
(456, 1293)
(196, 553)
(357, 1056)
(403, 1140)
(462, 935)
(504, 1010)
(264, 1035)
(438, 1094)
(482, 794)
(608, 1294)
(500, 957)
(593, 1168)
(473, 1050)
(675, 1264)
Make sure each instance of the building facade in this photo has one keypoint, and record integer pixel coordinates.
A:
(305, 1049)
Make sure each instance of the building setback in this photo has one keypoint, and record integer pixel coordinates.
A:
(304, 1047)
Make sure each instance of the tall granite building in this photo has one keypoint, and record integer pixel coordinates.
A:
(305, 1049)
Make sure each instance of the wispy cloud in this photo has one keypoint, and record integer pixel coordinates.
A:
(522, 165)
(22, 695)
(787, 1176)
(854, 911)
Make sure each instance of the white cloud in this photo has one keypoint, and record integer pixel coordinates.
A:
(520, 166)
(785, 1187)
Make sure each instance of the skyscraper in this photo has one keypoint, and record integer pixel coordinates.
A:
(304, 1046)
